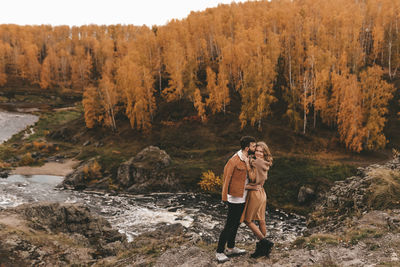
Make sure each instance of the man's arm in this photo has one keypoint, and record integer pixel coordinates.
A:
(228, 170)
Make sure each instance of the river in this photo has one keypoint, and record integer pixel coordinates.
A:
(12, 123)
(135, 214)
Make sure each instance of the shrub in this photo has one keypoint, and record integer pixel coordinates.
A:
(39, 145)
(92, 171)
(26, 160)
(211, 183)
(44, 146)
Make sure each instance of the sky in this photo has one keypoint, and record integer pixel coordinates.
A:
(82, 12)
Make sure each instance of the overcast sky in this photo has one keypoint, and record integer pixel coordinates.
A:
(80, 12)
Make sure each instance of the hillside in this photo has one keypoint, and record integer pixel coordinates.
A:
(315, 160)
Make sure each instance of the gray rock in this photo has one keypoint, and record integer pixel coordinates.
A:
(70, 219)
(4, 173)
(77, 179)
(147, 171)
(103, 184)
(152, 157)
(305, 194)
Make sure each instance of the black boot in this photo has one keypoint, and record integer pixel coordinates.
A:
(267, 246)
(260, 250)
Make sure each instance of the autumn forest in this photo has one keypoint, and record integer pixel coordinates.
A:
(328, 63)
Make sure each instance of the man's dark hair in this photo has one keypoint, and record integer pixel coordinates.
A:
(246, 140)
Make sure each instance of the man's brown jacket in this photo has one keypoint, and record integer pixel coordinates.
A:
(235, 174)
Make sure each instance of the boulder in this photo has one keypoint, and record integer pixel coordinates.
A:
(77, 179)
(4, 173)
(305, 194)
(147, 171)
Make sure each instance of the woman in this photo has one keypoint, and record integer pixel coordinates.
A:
(256, 198)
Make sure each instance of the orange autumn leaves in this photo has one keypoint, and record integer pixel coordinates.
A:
(322, 62)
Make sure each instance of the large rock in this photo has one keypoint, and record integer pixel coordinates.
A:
(53, 234)
(306, 194)
(77, 179)
(4, 173)
(147, 171)
(70, 219)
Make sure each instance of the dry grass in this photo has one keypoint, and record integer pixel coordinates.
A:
(355, 235)
(384, 191)
(316, 240)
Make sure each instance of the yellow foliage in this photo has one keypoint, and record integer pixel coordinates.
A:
(39, 145)
(92, 171)
(42, 146)
(209, 182)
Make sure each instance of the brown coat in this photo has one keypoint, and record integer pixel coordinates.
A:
(256, 201)
(235, 174)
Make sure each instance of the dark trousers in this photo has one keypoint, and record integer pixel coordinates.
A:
(228, 235)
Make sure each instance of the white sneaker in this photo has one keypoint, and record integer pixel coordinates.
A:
(221, 257)
(234, 251)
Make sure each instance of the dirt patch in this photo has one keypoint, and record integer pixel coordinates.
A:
(49, 168)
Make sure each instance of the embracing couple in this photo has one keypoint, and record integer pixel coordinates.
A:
(243, 191)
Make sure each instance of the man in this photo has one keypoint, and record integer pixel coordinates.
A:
(234, 193)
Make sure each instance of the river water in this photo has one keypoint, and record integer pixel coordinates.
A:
(12, 123)
(135, 214)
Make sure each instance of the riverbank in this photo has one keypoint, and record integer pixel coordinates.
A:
(368, 242)
(62, 168)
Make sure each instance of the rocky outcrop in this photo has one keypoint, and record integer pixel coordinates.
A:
(69, 219)
(147, 171)
(76, 179)
(81, 178)
(47, 234)
(375, 187)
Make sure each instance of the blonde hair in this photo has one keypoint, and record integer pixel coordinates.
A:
(267, 153)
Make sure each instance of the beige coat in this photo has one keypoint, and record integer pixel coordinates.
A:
(256, 201)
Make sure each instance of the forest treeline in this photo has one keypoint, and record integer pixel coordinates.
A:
(323, 62)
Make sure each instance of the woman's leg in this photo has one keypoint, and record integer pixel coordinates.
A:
(263, 227)
(253, 227)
